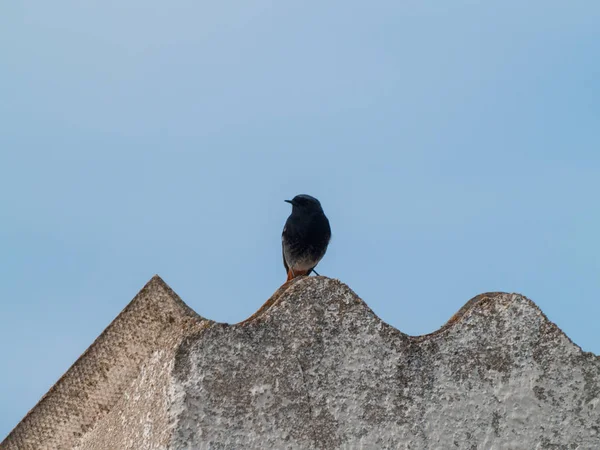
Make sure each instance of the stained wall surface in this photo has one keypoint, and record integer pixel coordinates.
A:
(314, 368)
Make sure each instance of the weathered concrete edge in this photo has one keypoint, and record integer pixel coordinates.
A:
(155, 283)
(481, 301)
(474, 305)
(482, 309)
(101, 338)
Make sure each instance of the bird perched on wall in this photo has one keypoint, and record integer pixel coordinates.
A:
(305, 236)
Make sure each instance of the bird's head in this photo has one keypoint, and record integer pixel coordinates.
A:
(305, 202)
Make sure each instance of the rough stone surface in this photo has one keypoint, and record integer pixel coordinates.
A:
(314, 368)
(86, 395)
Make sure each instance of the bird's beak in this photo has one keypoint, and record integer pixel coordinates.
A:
(289, 201)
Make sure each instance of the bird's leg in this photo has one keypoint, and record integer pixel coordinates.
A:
(290, 274)
(315, 273)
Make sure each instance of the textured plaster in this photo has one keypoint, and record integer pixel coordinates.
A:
(86, 395)
(314, 368)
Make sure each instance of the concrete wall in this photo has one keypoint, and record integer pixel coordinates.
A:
(316, 369)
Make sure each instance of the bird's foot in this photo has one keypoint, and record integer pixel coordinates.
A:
(296, 273)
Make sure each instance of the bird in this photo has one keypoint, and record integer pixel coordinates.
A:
(305, 236)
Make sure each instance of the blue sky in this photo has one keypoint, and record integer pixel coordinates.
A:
(453, 145)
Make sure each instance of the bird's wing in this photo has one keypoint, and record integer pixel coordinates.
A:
(287, 269)
(285, 264)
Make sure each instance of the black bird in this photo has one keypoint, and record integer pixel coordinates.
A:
(305, 236)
